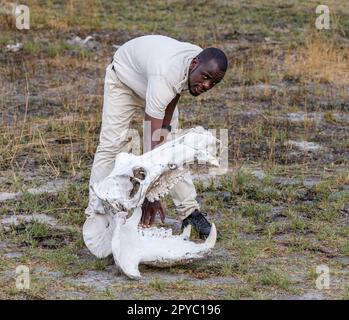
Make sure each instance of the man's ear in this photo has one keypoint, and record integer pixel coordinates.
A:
(194, 64)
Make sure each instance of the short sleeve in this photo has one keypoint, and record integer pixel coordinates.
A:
(159, 95)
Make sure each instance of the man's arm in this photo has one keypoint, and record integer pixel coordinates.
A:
(150, 209)
(169, 110)
(155, 125)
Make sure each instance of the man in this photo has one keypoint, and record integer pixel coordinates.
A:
(151, 72)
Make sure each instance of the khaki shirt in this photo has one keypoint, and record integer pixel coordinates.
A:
(156, 68)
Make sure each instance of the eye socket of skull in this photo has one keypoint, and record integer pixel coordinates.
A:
(139, 173)
(172, 166)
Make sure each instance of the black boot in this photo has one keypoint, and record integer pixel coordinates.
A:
(199, 222)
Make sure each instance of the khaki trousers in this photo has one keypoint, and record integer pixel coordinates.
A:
(119, 105)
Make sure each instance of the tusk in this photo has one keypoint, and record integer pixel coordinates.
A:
(212, 237)
(186, 232)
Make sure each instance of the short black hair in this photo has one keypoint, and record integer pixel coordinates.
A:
(216, 54)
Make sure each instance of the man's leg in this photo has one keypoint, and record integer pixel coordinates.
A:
(183, 193)
(184, 198)
(119, 105)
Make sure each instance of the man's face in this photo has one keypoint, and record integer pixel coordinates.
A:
(203, 76)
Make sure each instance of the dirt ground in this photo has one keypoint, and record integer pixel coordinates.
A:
(283, 206)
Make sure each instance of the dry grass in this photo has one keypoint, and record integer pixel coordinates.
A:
(71, 13)
(321, 60)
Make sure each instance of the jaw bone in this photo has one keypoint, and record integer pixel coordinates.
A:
(156, 246)
(123, 192)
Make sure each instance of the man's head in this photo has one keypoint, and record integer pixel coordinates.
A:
(206, 70)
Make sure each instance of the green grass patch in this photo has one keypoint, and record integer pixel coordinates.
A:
(157, 284)
(275, 279)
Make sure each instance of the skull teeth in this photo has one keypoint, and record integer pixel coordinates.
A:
(164, 193)
(160, 192)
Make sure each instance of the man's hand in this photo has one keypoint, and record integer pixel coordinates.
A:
(149, 211)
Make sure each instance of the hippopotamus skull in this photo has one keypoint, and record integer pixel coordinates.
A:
(123, 191)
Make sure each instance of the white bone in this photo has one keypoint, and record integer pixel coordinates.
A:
(122, 193)
(186, 232)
